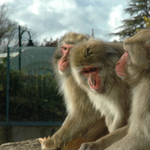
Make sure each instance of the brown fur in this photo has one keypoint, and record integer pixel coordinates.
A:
(138, 76)
(135, 136)
(113, 101)
(81, 115)
(93, 134)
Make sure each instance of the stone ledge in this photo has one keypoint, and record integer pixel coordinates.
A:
(32, 144)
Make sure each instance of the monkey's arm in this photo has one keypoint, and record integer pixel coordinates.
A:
(138, 137)
(132, 141)
(81, 118)
(93, 134)
(71, 129)
(129, 142)
(107, 140)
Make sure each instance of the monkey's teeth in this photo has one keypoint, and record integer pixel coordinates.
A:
(93, 82)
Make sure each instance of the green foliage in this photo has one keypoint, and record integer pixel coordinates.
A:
(32, 98)
(137, 10)
(2, 92)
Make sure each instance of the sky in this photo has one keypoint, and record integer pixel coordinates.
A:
(53, 18)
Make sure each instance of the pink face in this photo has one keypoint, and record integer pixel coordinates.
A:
(63, 63)
(94, 79)
(121, 64)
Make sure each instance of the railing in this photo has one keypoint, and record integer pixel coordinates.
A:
(32, 87)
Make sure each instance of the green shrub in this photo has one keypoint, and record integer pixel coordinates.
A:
(31, 98)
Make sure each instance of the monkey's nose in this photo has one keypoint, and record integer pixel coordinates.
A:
(117, 63)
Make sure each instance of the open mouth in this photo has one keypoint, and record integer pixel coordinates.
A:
(95, 87)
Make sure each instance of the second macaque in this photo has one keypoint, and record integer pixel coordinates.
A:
(93, 66)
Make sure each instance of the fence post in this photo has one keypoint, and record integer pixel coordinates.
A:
(8, 69)
(19, 37)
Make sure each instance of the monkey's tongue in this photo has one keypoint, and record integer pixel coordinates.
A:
(95, 82)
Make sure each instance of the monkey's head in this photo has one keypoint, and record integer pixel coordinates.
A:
(135, 61)
(64, 46)
(93, 64)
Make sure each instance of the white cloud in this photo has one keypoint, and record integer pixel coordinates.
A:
(61, 6)
(53, 18)
(5, 1)
(115, 18)
(35, 7)
(22, 23)
(89, 8)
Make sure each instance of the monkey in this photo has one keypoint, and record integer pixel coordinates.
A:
(134, 68)
(82, 117)
(93, 64)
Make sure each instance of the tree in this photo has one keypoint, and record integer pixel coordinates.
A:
(8, 28)
(139, 10)
(50, 43)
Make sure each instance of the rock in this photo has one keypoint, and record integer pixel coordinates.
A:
(32, 144)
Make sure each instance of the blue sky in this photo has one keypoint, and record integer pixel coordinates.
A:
(54, 18)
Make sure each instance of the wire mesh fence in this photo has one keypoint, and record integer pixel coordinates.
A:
(28, 90)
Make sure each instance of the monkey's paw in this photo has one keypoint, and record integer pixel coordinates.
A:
(42, 140)
(47, 144)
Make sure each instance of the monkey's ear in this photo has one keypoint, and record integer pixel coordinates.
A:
(147, 48)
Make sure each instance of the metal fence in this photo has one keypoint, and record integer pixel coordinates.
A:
(28, 93)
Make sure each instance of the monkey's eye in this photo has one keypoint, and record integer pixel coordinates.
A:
(85, 71)
(93, 69)
(64, 48)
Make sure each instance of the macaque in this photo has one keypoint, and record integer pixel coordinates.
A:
(93, 66)
(134, 68)
(82, 118)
